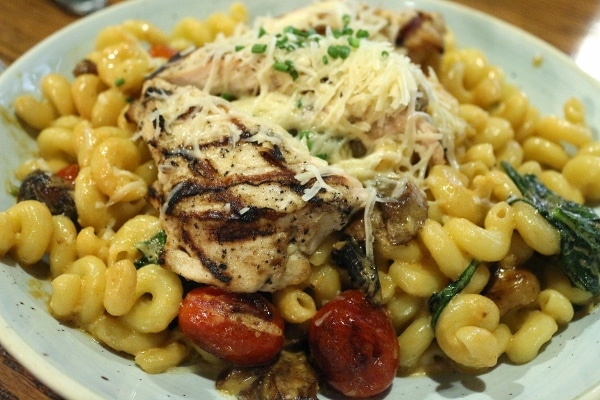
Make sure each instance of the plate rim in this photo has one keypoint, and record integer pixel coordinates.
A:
(60, 381)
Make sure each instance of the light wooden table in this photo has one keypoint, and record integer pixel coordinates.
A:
(569, 25)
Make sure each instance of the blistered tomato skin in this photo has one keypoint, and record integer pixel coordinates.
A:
(243, 328)
(354, 344)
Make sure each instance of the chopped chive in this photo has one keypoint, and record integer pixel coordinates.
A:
(325, 60)
(281, 66)
(362, 34)
(354, 42)
(296, 31)
(305, 135)
(239, 47)
(259, 48)
(385, 54)
(293, 73)
(346, 19)
(227, 96)
(261, 32)
(338, 51)
(286, 66)
(281, 41)
(344, 52)
(119, 82)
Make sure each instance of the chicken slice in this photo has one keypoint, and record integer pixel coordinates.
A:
(242, 201)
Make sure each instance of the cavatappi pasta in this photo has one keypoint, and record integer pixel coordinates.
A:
(96, 286)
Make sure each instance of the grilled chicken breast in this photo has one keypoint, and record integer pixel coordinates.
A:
(242, 201)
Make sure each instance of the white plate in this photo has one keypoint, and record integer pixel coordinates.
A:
(76, 367)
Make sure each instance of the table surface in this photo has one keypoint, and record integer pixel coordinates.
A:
(571, 26)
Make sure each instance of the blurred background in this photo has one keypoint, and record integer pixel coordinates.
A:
(571, 26)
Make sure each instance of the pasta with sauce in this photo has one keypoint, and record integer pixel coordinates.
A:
(463, 119)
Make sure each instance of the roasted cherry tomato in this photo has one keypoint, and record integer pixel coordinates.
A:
(161, 50)
(69, 173)
(243, 328)
(354, 344)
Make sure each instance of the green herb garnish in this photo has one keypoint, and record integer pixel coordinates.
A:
(151, 249)
(439, 300)
(259, 48)
(119, 82)
(578, 225)
(354, 42)
(298, 32)
(338, 51)
(304, 136)
(286, 66)
(362, 34)
(227, 96)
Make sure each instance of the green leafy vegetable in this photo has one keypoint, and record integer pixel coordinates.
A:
(439, 300)
(151, 249)
(13, 189)
(578, 225)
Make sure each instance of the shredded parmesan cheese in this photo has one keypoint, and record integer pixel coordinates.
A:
(311, 172)
(369, 238)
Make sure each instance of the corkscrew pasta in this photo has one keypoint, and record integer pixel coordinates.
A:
(96, 285)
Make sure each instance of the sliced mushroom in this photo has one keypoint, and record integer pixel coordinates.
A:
(511, 288)
(362, 272)
(397, 218)
(52, 190)
(290, 377)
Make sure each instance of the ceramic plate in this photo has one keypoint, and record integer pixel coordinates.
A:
(79, 368)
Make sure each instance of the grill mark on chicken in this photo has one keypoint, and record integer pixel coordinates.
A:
(218, 270)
